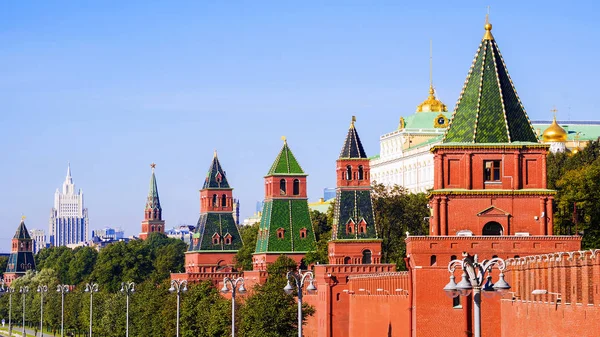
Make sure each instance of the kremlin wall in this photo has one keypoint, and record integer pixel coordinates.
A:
(489, 198)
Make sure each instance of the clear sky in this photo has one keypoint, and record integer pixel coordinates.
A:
(112, 86)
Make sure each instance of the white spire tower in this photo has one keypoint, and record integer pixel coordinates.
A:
(68, 218)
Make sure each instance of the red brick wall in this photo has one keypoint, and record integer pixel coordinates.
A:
(573, 275)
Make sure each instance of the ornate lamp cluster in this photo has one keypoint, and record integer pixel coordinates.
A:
(474, 280)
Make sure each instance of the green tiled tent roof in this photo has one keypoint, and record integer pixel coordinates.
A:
(489, 109)
(286, 163)
(353, 148)
(290, 214)
(215, 178)
(212, 223)
(353, 206)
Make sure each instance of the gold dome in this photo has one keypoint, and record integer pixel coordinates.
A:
(575, 151)
(432, 103)
(554, 133)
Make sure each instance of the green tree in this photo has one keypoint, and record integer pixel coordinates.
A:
(397, 212)
(270, 312)
(243, 258)
(205, 313)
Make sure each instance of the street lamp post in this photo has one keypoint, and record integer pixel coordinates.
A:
(299, 278)
(10, 291)
(474, 280)
(42, 290)
(23, 291)
(91, 288)
(234, 290)
(62, 289)
(178, 286)
(127, 288)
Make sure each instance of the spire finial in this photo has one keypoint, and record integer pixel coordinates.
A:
(352, 121)
(215, 154)
(23, 218)
(488, 26)
(152, 166)
(430, 64)
(284, 140)
(554, 111)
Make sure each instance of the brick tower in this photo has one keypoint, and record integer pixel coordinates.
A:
(490, 197)
(354, 235)
(216, 239)
(153, 222)
(285, 227)
(21, 254)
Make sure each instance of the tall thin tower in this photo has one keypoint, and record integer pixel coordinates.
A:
(69, 218)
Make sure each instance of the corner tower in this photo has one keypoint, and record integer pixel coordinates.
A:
(354, 237)
(153, 222)
(21, 257)
(285, 227)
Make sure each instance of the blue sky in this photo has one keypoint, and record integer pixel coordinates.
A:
(112, 86)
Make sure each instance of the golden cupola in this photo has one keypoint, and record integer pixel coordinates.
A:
(554, 133)
(432, 103)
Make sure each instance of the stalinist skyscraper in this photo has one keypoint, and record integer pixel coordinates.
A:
(68, 218)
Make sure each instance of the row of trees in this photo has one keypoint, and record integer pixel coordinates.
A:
(265, 311)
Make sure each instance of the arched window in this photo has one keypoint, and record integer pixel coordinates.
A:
(366, 258)
(453, 257)
(347, 260)
(348, 172)
(296, 187)
(282, 187)
(216, 239)
(492, 228)
(215, 204)
(223, 200)
(280, 233)
(361, 174)
(432, 260)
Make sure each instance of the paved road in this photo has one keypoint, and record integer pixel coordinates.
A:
(17, 332)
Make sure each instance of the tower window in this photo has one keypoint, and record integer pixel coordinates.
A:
(214, 200)
(347, 260)
(366, 258)
(282, 187)
(280, 233)
(432, 260)
(361, 175)
(348, 172)
(296, 187)
(303, 233)
(350, 227)
(224, 201)
(362, 226)
(228, 239)
(216, 239)
(491, 170)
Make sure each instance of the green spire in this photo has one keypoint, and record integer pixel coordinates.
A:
(153, 201)
(286, 163)
(215, 178)
(489, 109)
